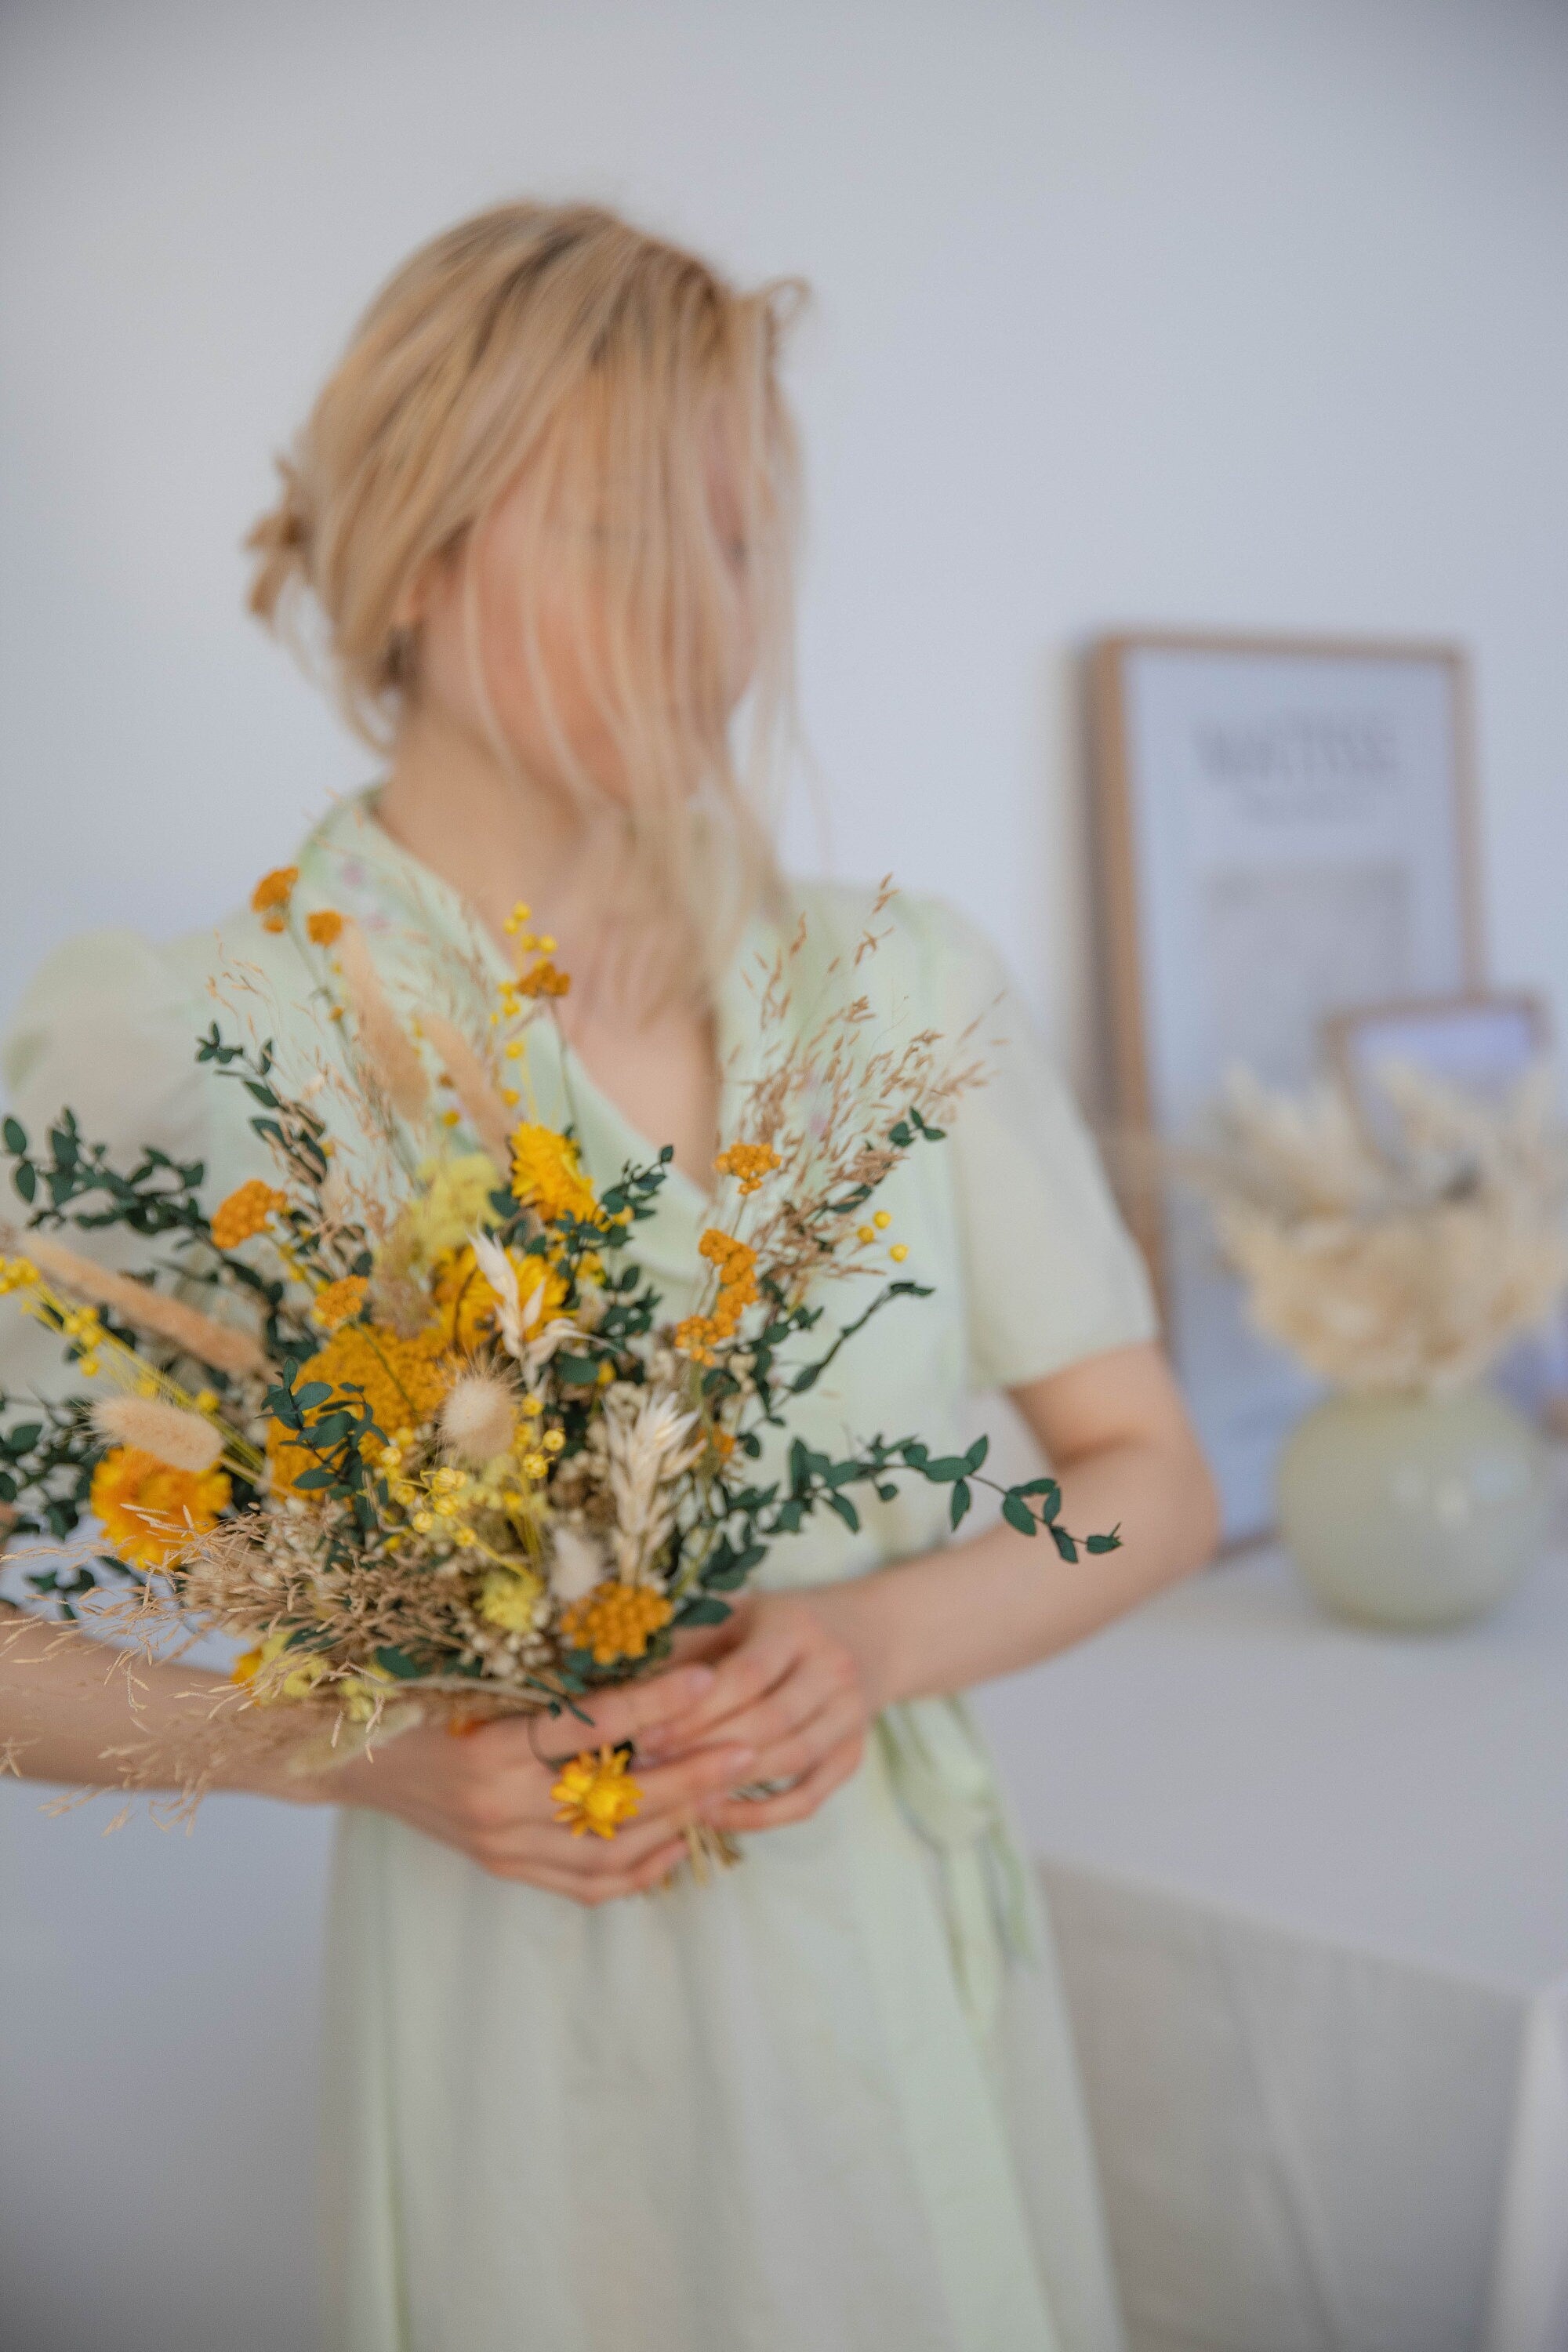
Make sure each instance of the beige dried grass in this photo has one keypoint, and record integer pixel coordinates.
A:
(222, 1345)
(389, 1053)
(472, 1085)
(182, 1439)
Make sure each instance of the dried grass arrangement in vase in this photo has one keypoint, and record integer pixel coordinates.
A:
(1396, 1267)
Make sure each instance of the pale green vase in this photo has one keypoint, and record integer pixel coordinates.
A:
(1413, 1510)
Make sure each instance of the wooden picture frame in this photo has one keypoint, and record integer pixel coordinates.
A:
(1285, 827)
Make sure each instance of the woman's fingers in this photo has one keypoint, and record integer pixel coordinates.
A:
(841, 1717)
(819, 1679)
(603, 1887)
(605, 1719)
(675, 1793)
(796, 1804)
(673, 1789)
(738, 1681)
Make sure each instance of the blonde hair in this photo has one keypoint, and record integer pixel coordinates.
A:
(558, 350)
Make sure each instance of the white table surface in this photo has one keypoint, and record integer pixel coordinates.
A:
(1310, 1885)
(1408, 1793)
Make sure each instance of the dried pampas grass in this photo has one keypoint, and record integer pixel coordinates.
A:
(183, 1440)
(220, 1345)
(472, 1085)
(389, 1053)
(1405, 1267)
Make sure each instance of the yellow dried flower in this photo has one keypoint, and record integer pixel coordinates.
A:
(510, 1598)
(546, 1175)
(149, 1509)
(244, 1212)
(615, 1620)
(454, 1204)
(468, 1303)
(339, 1302)
(324, 927)
(596, 1793)
(403, 1383)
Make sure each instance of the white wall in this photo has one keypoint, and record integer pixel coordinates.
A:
(1230, 311)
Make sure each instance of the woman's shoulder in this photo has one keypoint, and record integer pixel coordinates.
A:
(109, 1026)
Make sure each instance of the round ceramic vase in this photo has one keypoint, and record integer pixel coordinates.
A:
(1414, 1511)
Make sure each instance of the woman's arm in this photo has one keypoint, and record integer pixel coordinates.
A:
(71, 1712)
(810, 1670)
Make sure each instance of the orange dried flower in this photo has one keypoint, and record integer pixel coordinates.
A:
(244, 1212)
(339, 1302)
(402, 1380)
(271, 894)
(748, 1163)
(151, 1510)
(615, 1620)
(542, 980)
(324, 926)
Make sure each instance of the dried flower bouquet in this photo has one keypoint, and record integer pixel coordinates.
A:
(405, 1419)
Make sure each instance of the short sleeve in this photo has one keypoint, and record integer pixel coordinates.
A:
(1052, 1274)
(106, 1029)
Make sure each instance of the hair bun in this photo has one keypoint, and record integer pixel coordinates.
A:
(279, 540)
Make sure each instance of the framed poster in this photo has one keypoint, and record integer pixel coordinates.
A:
(1285, 830)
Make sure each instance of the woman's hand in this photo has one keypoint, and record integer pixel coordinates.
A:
(794, 1684)
(488, 1792)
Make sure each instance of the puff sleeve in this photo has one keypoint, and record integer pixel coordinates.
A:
(105, 1029)
(1051, 1274)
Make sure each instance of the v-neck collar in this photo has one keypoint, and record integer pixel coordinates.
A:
(406, 908)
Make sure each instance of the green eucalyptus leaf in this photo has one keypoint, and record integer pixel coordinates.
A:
(1017, 1513)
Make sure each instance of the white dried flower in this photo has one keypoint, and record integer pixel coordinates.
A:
(531, 1344)
(647, 1442)
(577, 1565)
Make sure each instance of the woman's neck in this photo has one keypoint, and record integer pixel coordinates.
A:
(499, 838)
(495, 836)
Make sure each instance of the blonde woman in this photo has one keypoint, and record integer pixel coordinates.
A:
(541, 522)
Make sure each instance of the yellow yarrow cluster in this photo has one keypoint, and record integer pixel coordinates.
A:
(150, 1510)
(615, 1620)
(454, 1202)
(509, 1598)
(403, 1383)
(546, 1176)
(698, 1336)
(748, 1163)
(325, 927)
(244, 1212)
(596, 1793)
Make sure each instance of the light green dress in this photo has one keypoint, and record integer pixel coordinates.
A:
(829, 2103)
